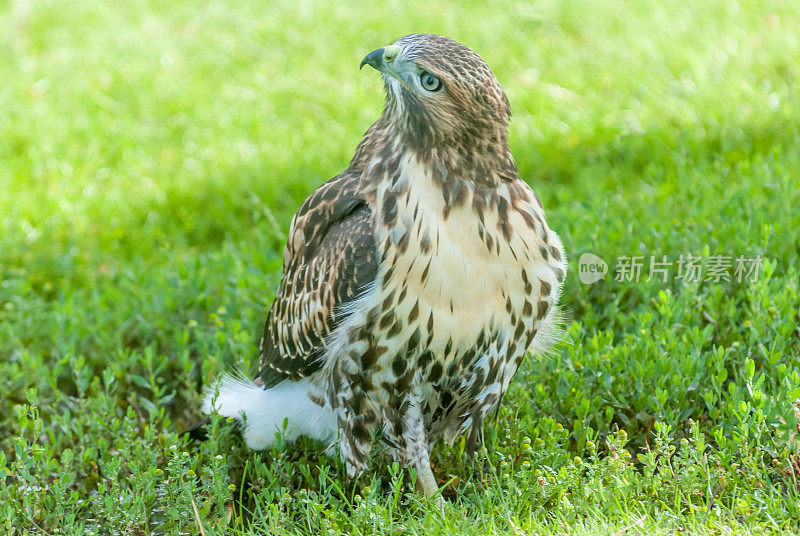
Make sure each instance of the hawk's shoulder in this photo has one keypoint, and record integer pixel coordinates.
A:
(330, 257)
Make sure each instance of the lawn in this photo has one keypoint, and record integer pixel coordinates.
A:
(152, 155)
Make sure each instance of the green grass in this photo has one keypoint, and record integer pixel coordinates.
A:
(151, 157)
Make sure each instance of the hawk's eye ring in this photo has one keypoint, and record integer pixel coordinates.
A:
(429, 82)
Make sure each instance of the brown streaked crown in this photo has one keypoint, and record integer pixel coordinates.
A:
(472, 109)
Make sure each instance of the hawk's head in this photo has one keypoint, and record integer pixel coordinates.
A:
(441, 93)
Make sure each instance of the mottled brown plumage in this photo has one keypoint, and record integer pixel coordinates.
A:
(415, 281)
(329, 258)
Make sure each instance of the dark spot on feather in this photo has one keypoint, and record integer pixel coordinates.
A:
(425, 359)
(424, 276)
(387, 320)
(529, 337)
(481, 340)
(527, 309)
(502, 218)
(413, 341)
(360, 432)
(398, 366)
(397, 428)
(389, 210)
(446, 398)
(436, 372)
(510, 352)
(526, 281)
(492, 376)
(388, 275)
(388, 301)
(529, 220)
(543, 252)
(545, 288)
(468, 358)
(425, 243)
(395, 330)
(542, 309)
(412, 316)
(357, 403)
(371, 356)
(518, 331)
(402, 245)
(489, 242)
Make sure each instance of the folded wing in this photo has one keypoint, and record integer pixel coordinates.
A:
(329, 258)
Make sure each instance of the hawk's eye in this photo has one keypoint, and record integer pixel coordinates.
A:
(429, 82)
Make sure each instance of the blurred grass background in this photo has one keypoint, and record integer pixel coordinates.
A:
(122, 123)
(152, 154)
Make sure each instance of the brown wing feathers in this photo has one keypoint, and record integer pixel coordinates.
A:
(329, 258)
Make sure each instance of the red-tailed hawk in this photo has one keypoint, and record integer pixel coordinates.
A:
(413, 282)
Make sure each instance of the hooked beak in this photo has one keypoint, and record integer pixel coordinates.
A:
(382, 59)
(374, 59)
